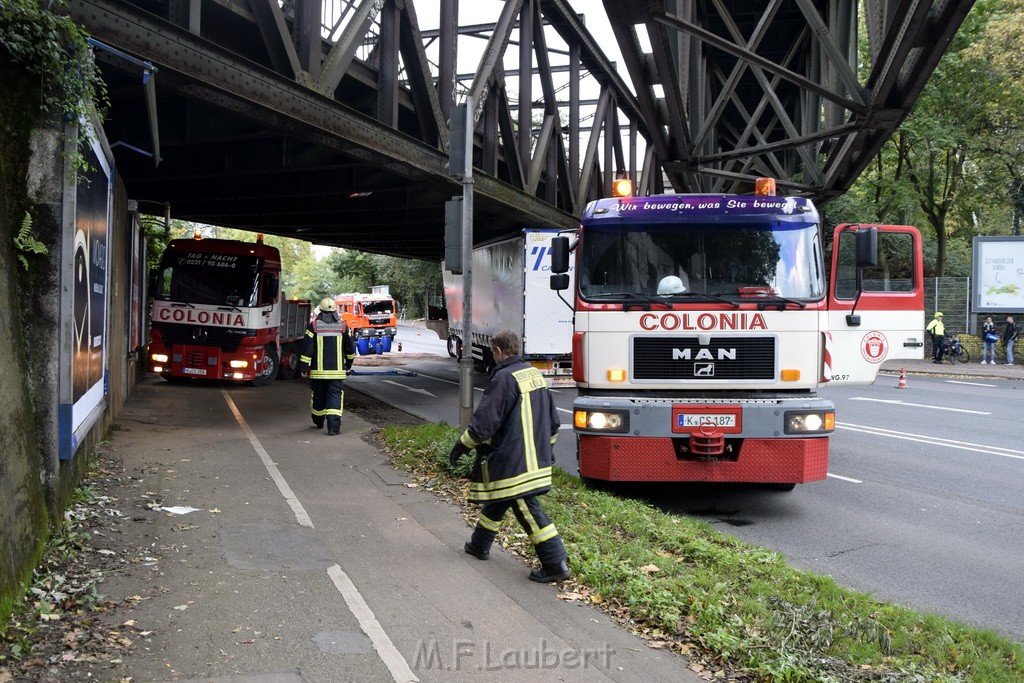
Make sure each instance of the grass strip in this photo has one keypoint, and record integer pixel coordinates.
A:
(729, 606)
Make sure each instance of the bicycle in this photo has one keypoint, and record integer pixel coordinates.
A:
(956, 352)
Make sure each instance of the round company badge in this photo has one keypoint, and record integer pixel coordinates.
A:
(874, 347)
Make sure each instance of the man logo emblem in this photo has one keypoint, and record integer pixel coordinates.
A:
(703, 369)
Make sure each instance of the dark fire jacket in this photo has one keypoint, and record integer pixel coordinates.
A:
(516, 426)
(327, 349)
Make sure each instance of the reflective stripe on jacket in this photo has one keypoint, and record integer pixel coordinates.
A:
(516, 426)
(327, 349)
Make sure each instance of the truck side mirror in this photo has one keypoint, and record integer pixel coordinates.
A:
(867, 247)
(560, 282)
(559, 258)
(152, 281)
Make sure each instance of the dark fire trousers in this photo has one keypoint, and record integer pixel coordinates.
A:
(534, 521)
(325, 400)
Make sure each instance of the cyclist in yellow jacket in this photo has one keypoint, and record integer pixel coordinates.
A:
(938, 332)
(326, 356)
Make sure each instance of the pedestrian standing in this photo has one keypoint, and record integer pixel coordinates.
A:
(513, 431)
(988, 341)
(1010, 338)
(326, 356)
(938, 332)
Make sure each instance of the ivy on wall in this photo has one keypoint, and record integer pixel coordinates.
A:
(47, 74)
(49, 46)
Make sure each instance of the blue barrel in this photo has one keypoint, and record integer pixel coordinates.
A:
(387, 344)
(378, 345)
(363, 346)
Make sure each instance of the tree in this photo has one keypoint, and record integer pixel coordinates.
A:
(409, 281)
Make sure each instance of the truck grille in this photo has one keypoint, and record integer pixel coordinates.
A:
(226, 338)
(684, 358)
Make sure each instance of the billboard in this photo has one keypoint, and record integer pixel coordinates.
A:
(998, 274)
(86, 264)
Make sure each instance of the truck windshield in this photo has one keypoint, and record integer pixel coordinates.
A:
(216, 279)
(620, 261)
(378, 307)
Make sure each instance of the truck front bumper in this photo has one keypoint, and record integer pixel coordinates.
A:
(762, 440)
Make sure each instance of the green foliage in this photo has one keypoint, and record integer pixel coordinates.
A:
(684, 585)
(53, 49)
(26, 243)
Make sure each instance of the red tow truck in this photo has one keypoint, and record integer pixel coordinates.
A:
(218, 312)
(705, 325)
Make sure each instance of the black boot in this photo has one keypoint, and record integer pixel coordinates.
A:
(333, 426)
(551, 573)
(476, 552)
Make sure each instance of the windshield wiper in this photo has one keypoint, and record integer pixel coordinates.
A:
(780, 302)
(703, 297)
(645, 301)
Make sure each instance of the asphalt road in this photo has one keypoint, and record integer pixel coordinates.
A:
(923, 506)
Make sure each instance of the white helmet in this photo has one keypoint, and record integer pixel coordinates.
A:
(670, 285)
(328, 304)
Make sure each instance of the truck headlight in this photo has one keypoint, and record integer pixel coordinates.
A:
(601, 420)
(820, 422)
(159, 357)
(239, 363)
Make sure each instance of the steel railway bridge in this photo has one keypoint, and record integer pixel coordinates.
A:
(328, 120)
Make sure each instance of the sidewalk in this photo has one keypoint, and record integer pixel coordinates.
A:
(308, 558)
(972, 369)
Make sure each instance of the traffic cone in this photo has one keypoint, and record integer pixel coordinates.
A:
(903, 380)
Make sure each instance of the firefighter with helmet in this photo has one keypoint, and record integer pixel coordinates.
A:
(326, 356)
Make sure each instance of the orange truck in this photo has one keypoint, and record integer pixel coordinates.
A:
(371, 320)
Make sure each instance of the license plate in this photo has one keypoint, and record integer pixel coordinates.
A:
(194, 371)
(691, 419)
(694, 420)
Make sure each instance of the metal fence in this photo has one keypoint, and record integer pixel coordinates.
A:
(952, 296)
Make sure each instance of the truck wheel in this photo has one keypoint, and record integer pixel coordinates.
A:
(271, 365)
(289, 362)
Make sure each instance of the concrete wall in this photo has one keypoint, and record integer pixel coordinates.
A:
(34, 484)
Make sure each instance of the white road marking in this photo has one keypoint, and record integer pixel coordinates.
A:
(934, 440)
(973, 384)
(564, 410)
(408, 388)
(275, 474)
(566, 426)
(918, 405)
(852, 481)
(386, 649)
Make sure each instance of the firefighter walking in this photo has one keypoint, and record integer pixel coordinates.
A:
(326, 356)
(513, 431)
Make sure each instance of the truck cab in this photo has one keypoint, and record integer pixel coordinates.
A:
(705, 324)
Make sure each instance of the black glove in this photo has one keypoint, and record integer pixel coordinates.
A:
(458, 450)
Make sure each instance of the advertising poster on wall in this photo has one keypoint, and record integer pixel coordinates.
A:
(89, 295)
(998, 274)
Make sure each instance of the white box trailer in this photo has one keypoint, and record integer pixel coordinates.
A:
(512, 289)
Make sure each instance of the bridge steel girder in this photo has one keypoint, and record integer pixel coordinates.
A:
(773, 89)
(274, 118)
(346, 145)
